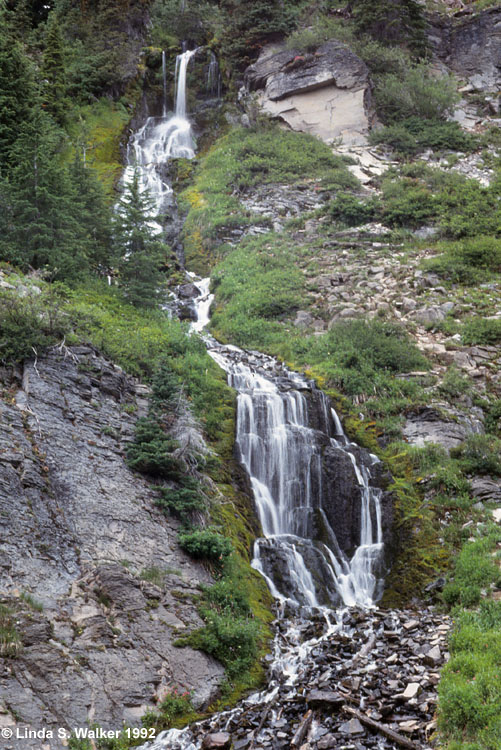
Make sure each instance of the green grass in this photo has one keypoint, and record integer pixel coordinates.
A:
(10, 640)
(241, 160)
(470, 687)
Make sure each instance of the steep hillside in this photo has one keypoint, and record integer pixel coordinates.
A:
(344, 200)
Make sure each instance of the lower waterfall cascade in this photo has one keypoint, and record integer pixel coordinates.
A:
(272, 410)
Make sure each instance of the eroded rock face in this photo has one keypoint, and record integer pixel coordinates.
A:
(471, 47)
(80, 534)
(326, 93)
(441, 424)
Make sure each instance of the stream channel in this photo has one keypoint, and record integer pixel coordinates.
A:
(325, 517)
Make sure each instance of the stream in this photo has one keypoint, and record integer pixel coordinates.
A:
(324, 517)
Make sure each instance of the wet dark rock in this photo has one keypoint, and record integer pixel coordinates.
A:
(187, 312)
(217, 741)
(325, 699)
(188, 291)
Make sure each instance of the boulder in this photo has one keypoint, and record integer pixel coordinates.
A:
(440, 424)
(326, 93)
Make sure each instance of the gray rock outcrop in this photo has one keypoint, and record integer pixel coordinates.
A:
(325, 93)
(471, 47)
(82, 539)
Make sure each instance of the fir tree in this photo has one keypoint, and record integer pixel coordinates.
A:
(140, 249)
(43, 232)
(17, 91)
(92, 213)
(53, 73)
(392, 22)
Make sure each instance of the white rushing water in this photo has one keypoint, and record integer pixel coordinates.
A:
(280, 452)
(159, 140)
(278, 445)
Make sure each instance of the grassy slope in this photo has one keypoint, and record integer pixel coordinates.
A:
(261, 282)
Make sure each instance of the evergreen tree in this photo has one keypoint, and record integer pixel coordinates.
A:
(392, 22)
(92, 213)
(140, 249)
(42, 231)
(17, 91)
(53, 73)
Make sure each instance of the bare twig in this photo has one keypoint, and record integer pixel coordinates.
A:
(395, 736)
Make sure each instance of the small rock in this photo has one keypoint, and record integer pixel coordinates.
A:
(352, 727)
(217, 741)
(326, 699)
(433, 657)
(411, 691)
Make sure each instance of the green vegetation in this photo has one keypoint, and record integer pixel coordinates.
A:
(10, 641)
(470, 261)
(470, 696)
(175, 709)
(206, 544)
(481, 331)
(243, 159)
(151, 452)
(416, 93)
(415, 134)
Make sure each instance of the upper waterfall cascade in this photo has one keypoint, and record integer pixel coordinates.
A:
(159, 140)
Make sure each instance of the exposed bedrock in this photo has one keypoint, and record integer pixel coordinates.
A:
(325, 93)
(81, 536)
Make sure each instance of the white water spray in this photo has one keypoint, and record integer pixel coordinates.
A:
(159, 140)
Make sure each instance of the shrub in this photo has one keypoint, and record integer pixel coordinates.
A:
(480, 454)
(152, 451)
(416, 92)
(30, 323)
(454, 384)
(206, 544)
(175, 705)
(351, 210)
(407, 203)
(10, 642)
(231, 640)
(227, 596)
(470, 261)
(416, 134)
(182, 501)
(481, 331)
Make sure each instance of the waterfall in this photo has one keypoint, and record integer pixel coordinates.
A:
(159, 140)
(164, 85)
(283, 453)
(213, 77)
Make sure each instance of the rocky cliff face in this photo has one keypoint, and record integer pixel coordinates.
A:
(325, 93)
(91, 571)
(471, 47)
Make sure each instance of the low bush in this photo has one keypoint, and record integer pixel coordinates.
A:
(480, 454)
(152, 451)
(10, 641)
(206, 544)
(182, 501)
(30, 323)
(231, 640)
(415, 134)
(470, 261)
(415, 92)
(481, 331)
(352, 210)
(175, 706)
